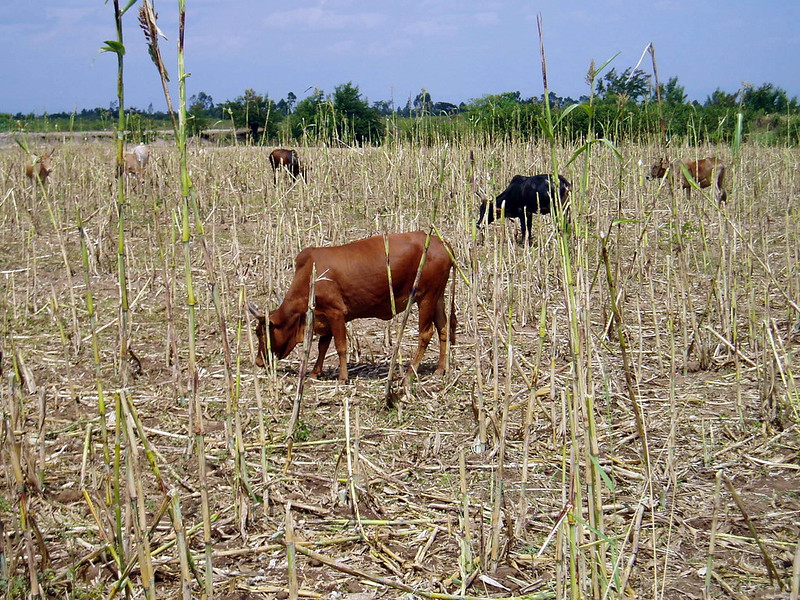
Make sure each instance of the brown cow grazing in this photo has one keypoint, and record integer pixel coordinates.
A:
(289, 160)
(705, 172)
(38, 171)
(352, 283)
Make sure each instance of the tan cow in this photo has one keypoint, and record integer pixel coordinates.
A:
(40, 169)
(705, 172)
(135, 161)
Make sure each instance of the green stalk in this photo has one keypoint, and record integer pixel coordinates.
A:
(581, 394)
(122, 275)
(186, 201)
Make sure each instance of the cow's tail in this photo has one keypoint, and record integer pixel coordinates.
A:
(720, 179)
(452, 318)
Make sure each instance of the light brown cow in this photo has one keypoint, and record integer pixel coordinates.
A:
(352, 283)
(40, 169)
(705, 172)
(289, 160)
(135, 161)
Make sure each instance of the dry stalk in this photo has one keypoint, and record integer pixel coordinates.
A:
(465, 562)
(353, 477)
(262, 430)
(291, 556)
(795, 591)
(136, 493)
(301, 375)
(389, 394)
(16, 451)
(772, 572)
(397, 584)
(712, 541)
(629, 378)
(184, 556)
(499, 475)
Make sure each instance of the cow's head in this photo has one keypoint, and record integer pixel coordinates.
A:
(659, 169)
(491, 210)
(45, 167)
(277, 334)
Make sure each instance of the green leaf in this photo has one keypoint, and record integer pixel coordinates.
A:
(588, 144)
(113, 46)
(603, 475)
(611, 145)
(127, 6)
(578, 152)
(599, 69)
(688, 175)
(565, 112)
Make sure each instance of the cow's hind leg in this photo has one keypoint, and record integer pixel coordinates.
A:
(721, 195)
(526, 223)
(440, 321)
(339, 331)
(431, 317)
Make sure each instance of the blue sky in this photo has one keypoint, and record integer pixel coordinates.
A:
(457, 50)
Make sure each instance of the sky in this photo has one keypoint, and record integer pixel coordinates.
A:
(455, 49)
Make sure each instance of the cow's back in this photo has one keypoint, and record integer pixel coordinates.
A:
(283, 156)
(354, 279)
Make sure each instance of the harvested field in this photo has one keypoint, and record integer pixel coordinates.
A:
(522, 472)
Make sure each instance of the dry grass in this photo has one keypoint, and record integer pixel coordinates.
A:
(707, 306)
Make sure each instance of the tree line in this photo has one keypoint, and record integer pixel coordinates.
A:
(622, 106)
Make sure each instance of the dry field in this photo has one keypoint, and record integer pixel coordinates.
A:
(523, 472)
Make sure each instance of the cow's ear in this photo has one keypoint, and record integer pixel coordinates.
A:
(254, 311)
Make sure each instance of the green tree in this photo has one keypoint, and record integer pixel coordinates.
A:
(672, 92)
(200, 113)
(422, 103)
(307, 116)
(201, 102)
(766, 99)
(630, 85)
(504, 115)
(355, 117)
(255, 112)
(720, 98)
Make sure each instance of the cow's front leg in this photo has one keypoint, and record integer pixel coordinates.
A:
(324, 344)
(526, 224)
(339, 332)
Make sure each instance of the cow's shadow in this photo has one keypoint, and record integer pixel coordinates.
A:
(373, 371)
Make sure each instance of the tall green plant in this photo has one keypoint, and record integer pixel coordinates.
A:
(117, 47)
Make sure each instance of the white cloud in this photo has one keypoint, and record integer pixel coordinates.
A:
(318, 18)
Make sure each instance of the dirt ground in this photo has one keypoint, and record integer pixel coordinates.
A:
(453, 493)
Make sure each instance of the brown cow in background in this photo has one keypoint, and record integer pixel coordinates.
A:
(40, 169)
(289, 160)
(352, 283)
(705, 172)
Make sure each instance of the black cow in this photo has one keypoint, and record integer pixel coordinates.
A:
(524, 197)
